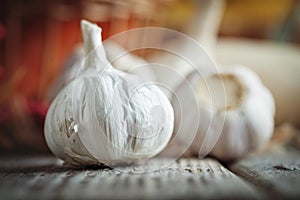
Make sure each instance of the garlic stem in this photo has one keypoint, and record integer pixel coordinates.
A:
(91, 35)
(92, 40)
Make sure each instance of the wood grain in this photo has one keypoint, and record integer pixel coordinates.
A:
(276, 170)
(183, 179)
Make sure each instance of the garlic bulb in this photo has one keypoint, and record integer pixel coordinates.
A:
(105, 115)
(233, 123)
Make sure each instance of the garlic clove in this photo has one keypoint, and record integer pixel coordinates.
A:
(105, 115)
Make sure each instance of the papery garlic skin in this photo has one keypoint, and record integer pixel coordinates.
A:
(127, 62)
(118, 57)
(233, 125)
(105, 115)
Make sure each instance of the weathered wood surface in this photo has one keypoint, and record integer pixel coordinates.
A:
(42, 178)
(276, 170)
(270, 174)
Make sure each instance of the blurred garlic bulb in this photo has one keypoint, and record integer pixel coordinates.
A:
(179, 60)
(233, 124)
(105, 115)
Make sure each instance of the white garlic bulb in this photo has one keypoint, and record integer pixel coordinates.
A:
(233, 124)
(105, 115)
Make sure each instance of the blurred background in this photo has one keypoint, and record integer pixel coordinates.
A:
(37, 37)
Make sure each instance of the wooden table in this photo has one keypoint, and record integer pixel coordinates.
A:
(270, 174)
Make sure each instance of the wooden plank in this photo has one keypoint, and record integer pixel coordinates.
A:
(276, 170)
(185, 178)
